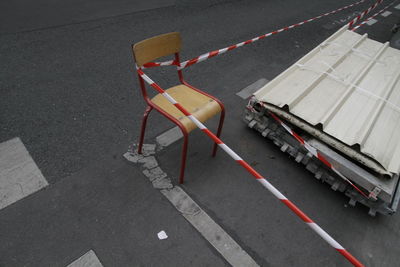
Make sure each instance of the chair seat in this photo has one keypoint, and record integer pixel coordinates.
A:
(199, 105)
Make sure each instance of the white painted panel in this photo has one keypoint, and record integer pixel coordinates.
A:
(89, 259)
(19, 175)
(371, 22)
(386, 14)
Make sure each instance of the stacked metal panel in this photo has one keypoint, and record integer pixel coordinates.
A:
(350, 86)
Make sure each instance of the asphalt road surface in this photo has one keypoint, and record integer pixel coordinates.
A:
(70, 93)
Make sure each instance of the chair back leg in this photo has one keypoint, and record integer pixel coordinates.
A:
(221, 123)
(143, 128)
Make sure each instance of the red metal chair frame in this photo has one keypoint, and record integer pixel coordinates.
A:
(151, 106)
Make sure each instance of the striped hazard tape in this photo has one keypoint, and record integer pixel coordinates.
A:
(324, 235)
(214, 53)
(373, 16)
(365, 12)
(315, 152)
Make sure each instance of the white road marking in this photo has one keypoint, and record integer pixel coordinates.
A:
(386, 14)
(371, 21)
(208, 228)
(397, 7)
(200, 220)
(252, 88)
(89, 259)
(169, 137)
(19, 175)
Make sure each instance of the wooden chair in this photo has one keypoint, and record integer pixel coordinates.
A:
(202, 105)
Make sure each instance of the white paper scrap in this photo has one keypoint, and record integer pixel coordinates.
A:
(162, 235)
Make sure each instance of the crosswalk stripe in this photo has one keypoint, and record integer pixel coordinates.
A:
(89, 259)
(19, 175)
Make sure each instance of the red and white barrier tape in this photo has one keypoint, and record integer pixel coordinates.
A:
(158, 64)
(314, 152)
(373, 16)
(324, 235)
(214, 53)
(365, 12)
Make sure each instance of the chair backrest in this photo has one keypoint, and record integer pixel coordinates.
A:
(155, 47)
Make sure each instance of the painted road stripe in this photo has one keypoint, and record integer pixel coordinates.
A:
(208, 228)
(386, 14)
(19, 175)
(252, 88)
(88, 260)
(371, 21)
(397, 7)
(169, 137)
(203, 223)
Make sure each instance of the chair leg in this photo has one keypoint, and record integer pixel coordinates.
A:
(184, 154)
(143, 129)
(221, 123)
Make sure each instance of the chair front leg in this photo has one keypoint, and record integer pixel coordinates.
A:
(184, 154)
(143, 129)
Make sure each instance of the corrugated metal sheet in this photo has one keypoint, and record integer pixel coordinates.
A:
(349, 85)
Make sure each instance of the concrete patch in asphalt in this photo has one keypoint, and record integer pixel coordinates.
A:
(162, 183)
(154, 174)
(132, 157)
(19, 175)
(147, 150)
(249, 90)
(149, 162)
(89, 259)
